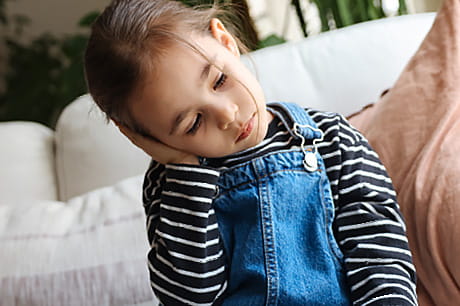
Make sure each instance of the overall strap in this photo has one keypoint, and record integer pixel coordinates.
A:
(307, 127)
(304, 128)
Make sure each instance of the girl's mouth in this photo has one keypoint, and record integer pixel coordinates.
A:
(247, 129)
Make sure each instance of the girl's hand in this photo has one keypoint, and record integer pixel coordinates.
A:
(160, 152)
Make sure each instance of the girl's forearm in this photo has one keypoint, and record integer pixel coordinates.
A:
(187, 261)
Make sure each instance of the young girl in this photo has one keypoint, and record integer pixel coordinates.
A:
(247, 203)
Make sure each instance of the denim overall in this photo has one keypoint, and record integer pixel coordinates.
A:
(275, 216)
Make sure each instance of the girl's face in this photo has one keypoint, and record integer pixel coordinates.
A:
(193, 106)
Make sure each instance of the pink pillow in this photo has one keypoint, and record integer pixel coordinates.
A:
(415, 129)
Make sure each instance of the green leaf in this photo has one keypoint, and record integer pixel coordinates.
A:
(344, 11)
(402, 7)
(324, 11)
(88, 19)
(271, 40)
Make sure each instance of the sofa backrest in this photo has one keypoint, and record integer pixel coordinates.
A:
(344, 69)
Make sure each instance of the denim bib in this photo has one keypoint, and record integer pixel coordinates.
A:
(275, 217)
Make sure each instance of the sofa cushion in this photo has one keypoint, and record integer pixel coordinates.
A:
(91, 153)
(27, 162)
(90, 250)
(415, 129)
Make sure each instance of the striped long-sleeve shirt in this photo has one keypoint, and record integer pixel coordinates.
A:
(187, 261)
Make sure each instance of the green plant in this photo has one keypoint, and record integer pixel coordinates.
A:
(42, 75)
(341, 13)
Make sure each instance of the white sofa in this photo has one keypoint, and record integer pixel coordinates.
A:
(71, 217)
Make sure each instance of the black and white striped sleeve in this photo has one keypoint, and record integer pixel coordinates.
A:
(186, 260)
(368, 225)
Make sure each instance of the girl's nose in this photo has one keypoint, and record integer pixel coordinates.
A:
(225, 114)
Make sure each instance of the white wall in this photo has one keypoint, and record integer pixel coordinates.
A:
(425, 5)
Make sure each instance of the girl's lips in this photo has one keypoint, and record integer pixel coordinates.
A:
(247, 129)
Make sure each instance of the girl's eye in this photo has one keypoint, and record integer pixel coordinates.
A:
(195, 126)
(220, 81)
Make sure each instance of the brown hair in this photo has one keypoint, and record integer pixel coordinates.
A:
(128, 38)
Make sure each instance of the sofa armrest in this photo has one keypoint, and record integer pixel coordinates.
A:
(27, 162)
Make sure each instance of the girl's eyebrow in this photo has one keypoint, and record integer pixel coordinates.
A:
(207, 68)
(205, 71)
(181, 116)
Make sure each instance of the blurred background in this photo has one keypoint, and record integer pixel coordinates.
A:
(42, 41)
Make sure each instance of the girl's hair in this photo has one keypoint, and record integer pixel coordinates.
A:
(126, 41)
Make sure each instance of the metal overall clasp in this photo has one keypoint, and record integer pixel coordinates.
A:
(310, 161)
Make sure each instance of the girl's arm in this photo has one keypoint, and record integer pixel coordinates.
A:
(368, 225)
(186, 260)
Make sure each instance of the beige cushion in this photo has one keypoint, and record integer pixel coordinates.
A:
(91, 153)
(27, 170)
(415, 129)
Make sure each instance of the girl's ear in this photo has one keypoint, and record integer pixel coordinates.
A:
(219, 32)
